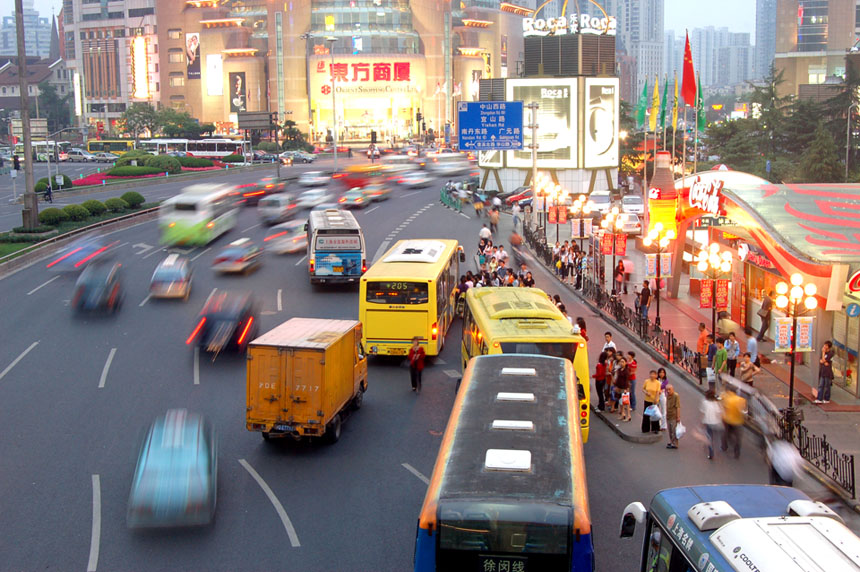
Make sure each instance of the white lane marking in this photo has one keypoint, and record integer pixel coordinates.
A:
(122, 244)
(452, 373)
(42, 285)
(145, 300)
(279, 300)
(410, 194)
(415, 472)
(95, 537)
(465, 215)
(105, 369)
(154, 252)
(439, 361)
(302, 259)
(201, 253)
(17, 359)
(279, 508)
(381, 250)
(143, 247)
(250, 227)
(196, 366)
(371, 210)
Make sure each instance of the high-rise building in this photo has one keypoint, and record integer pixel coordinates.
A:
(734, 61)
(37, 33)
(706, 44)
(640, 36)
(812, 38)
(765, 37)
(673, 54)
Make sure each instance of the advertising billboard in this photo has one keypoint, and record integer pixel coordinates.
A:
(214, 74)
(556, 119)
(601, 123)
(192, 55)
(238, 94)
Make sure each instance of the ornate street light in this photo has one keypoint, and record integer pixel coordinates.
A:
(611, 222)
(660, 238)
(795, 300)
(580, 209)
(713, 264)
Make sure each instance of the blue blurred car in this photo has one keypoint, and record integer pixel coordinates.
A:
(98, 288)
(176, 479)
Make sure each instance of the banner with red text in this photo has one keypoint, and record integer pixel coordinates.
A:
(706, 292)
(722, 294)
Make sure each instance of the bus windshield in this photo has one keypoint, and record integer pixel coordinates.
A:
(554, 349)
(185, 207)
(397, 292)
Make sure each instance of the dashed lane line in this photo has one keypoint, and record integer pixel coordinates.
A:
(302, 259)
(368, 211)
(279, 299)
(196, 366)
(17, 359)
(416, 472)
(279, 508)
(201, 253)
(42, 285)
(95, 536)
(105, 369)
(244, 230)
(145, 300)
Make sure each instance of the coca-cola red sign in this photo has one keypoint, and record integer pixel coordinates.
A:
(706, 195)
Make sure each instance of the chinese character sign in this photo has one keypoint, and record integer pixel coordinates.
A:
(804, 334)
(552, 219)
(650, 265)
(666, 264)
(621, 244)
(706, 292)
(722, 294)
(782, 340)
(606, 243)
(562, 215)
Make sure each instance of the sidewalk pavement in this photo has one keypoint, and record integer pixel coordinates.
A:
(838, 421)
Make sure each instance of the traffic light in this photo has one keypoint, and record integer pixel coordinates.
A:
(423, 126)
(16, 163)
(418, 117)
(373, 136)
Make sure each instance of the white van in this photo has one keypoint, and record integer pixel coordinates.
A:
(276, 208)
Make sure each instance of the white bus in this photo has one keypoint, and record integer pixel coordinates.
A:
(44, 150)
(199, 215)
(447, 163)
(206, 148)
(335, 247)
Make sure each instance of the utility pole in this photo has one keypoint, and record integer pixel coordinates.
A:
(30, 213)
(533, 106)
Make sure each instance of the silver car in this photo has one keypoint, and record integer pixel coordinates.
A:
(288, 237)
(276, 208)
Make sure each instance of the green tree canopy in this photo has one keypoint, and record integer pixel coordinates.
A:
(138, 118)
(820, 161)
(53, 107)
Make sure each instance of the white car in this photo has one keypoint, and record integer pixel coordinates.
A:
(312, 179)
(312, 198)
(630, 223)
(632, 204)
(414, 179)
(602, 201)
(288, 237)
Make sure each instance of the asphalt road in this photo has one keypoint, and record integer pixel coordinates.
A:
(68, 446)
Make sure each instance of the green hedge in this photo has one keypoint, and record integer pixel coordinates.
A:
(233, 159)
(76, 212)
(67, 182)
(129, 171)
(133, 198)
(35, 229)
(116, 205)
(194, 162)
(136, 155)
(267, 146)
(94, 207)
(40, 188)
(53, 216)
(164, 163)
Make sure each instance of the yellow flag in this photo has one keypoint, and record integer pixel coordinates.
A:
(655, 105)
(675, 105)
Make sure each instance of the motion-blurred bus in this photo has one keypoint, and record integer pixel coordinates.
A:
(525, 321)
(206, 148)
(199, 215)
(508, 491)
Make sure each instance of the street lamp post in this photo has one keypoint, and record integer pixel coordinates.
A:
(848, 138)
(611, 222)
(660, 238)
(580, 208)
(331, 40)
(713, 263)
(790, 298)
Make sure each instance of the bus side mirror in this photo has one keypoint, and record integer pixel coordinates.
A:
(635, 512)
(462, 254)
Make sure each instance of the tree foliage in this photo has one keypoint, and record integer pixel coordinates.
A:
(293, 138)
(53, 107)
(139, 118)
(820, 161)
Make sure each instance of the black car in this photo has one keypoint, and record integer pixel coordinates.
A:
(99, 288)
(228, 321)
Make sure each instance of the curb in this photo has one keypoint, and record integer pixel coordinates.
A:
(648, 439)
(681, 373)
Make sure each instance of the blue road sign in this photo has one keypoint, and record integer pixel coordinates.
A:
(853, 310)
(490, 125)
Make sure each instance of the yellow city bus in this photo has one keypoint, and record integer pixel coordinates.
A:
(525, 321)
(410, 292)
(115, 146)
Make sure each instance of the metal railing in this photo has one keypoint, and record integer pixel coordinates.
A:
(450, 201)
(837, 467)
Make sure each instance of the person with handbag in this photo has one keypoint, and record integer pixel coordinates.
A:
(765, 314)
(651, 389)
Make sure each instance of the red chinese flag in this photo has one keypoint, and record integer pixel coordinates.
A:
(688, 82)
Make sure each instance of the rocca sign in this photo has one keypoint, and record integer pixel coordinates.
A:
(573, 24)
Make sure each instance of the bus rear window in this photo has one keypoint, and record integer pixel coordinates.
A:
(554, 349)
(184, 206)
(395, 292)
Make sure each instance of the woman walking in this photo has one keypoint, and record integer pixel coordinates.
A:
(622, 389)
(664, 381)
(712, 419)
(416, 363)
(651, 389)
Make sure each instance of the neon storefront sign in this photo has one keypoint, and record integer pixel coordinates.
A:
(706, 195)
(573, 24)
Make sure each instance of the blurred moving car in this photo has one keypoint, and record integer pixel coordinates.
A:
(299, 156)
(237, 257)
(98, 288)
(176, 478)
(377, 192)
(526, 193)
(228, 321)
(77, 254)
(106, 157)
(276, 208)
(326, 206)
(354, 199)
(602, 202)
(414, 179)
(312, 198)
(632, 204)
(287, 237)
(286, 158)
(172, 278)
(80, 155)
(312, 179)
(630, 223)
(251, 193)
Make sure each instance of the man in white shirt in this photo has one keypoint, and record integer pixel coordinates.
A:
(515, 211)
(609, 343)
(502, 254)
(485, 233)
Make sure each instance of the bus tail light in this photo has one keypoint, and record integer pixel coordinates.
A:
(210, 224)
(171, 225)
(435, 330)
(363, 266)
(311, 265)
